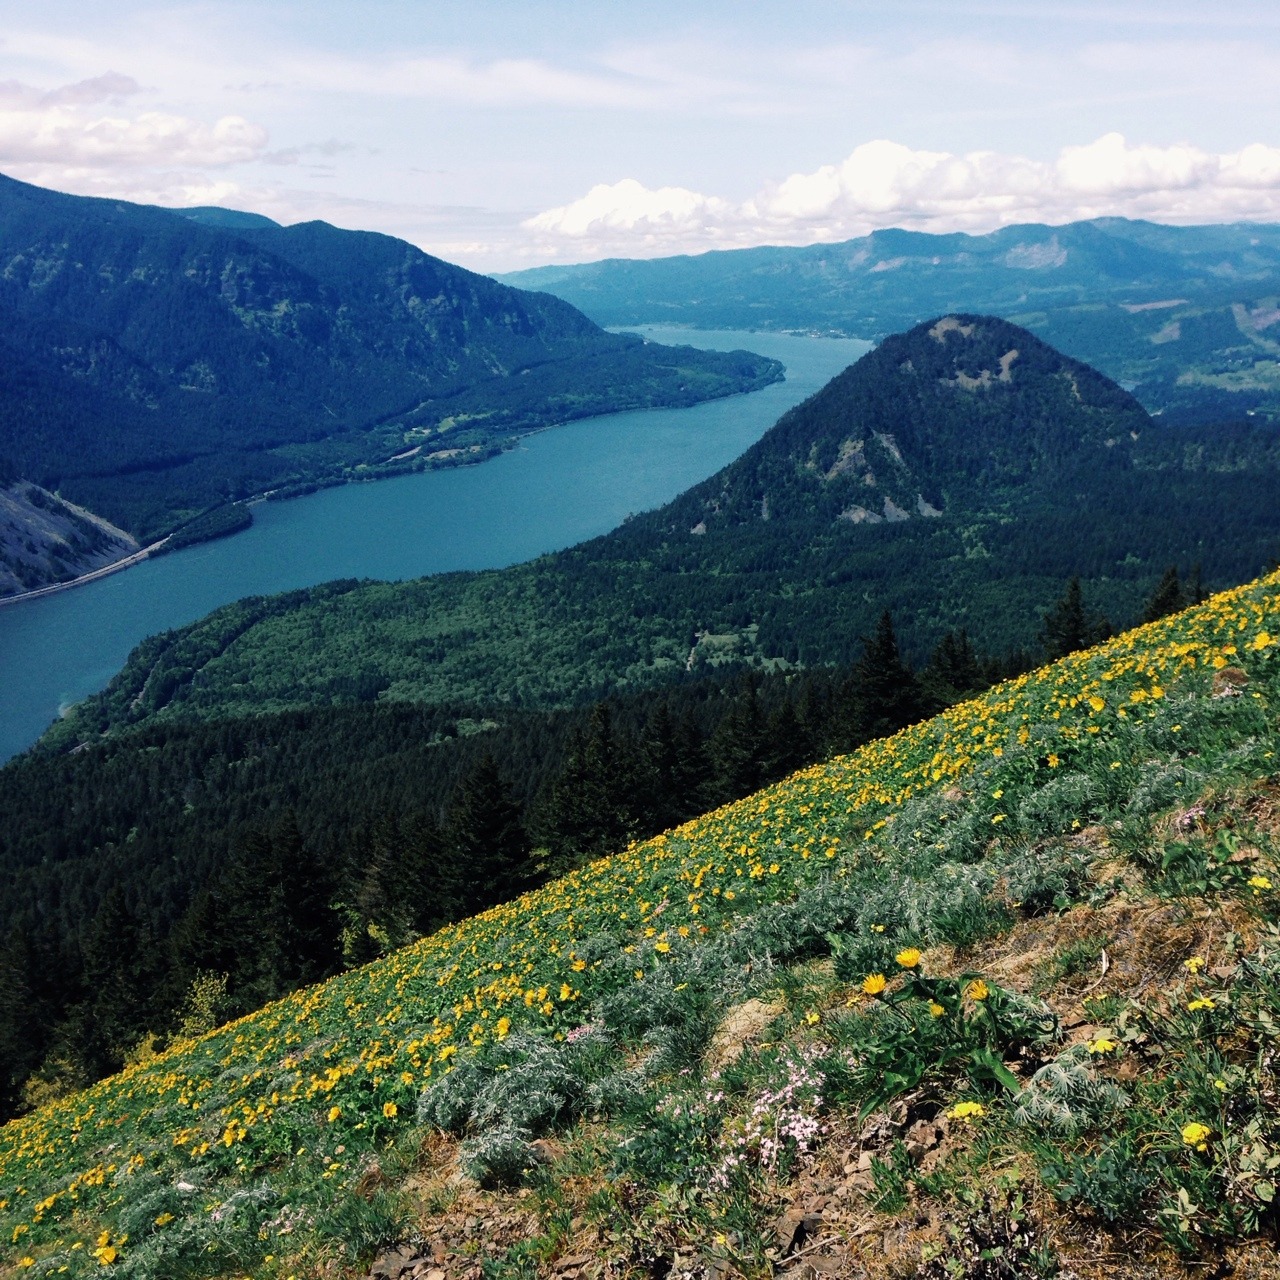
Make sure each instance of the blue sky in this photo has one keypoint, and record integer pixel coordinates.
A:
(506, 134)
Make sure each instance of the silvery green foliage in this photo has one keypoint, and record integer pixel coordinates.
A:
(1067, 1095)
(1052, 807)
(923, 825)
(1040, 876)
(196, 1243)
(527, 1082)
(1161, 783)
(149, 1201)
(502, 1155)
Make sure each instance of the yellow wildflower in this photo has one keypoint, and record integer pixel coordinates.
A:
(1200, 1002)
(936, 1009)
(908, 957)
(1101, 1045)
(967, 1111)
(874, 983)
(1196, 1135)
(977, 990)
(1194, 965)
(390, 1110)
(334, 1113)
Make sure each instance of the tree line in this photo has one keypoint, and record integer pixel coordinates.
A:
(381, 825)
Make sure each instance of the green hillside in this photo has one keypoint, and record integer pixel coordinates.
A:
(958, 476)
(1000, 989)
(1185, 315)
(155, 365)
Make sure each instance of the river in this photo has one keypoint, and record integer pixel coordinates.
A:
(554, 489)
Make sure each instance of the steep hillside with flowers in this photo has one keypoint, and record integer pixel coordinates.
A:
(994, 997)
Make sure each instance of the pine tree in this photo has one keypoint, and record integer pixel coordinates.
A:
(383, 901)
(119, 979)
(788, 746)
(1195, 586)
(1167, 598)
(23, 1019)
(672, 770)
(739, 746)
(884, 692)
(953, 672)
(589, 809)
(1067, 628)
(431, 883)
(485, 839)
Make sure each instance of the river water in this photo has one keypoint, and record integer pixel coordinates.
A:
(556, 488)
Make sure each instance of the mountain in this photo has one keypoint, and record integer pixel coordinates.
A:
(41, 536)
(156, 366)
(994, 997)
(958, 475)
(1184, 315)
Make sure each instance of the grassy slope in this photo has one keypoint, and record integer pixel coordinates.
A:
(587, 1006)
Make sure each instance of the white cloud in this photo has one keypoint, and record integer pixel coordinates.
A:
(88, 124)
(630, 207)
(884, 183)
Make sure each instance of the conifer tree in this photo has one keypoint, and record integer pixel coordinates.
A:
(953, 672)
(788, 745)
(1167, 598)
(672, 770)
(885, 693)
(485, 838)
(22, 1018)
(1067, 628)
(739, 745)
(589, 809)
(118, 960)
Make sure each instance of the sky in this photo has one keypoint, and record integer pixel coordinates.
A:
(509, 133)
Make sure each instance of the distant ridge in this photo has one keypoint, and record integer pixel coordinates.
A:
(1184, 315)
(211, 215)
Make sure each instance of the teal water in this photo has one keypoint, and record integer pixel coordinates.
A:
(556, 488)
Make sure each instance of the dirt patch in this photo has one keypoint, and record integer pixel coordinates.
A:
(742, 1025)
(950, 324)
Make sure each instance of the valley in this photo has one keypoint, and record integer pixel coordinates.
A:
(305, 356)
(558, 487)
(740, 704)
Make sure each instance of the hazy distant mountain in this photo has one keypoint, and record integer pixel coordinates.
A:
(1185, 315)
(154, 364)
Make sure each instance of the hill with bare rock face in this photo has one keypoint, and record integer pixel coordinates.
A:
(45, 540)
(958, 476)
(1185, 316)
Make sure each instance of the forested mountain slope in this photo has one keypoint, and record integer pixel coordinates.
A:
(1000, 987)
(958, 475)
(1185, 315)
(154, 366)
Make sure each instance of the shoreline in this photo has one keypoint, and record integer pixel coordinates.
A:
(483, 454)
(115, 566)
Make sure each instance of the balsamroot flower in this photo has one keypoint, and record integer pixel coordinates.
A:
(874, 983)
(908, 957)
(1196, 1135)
